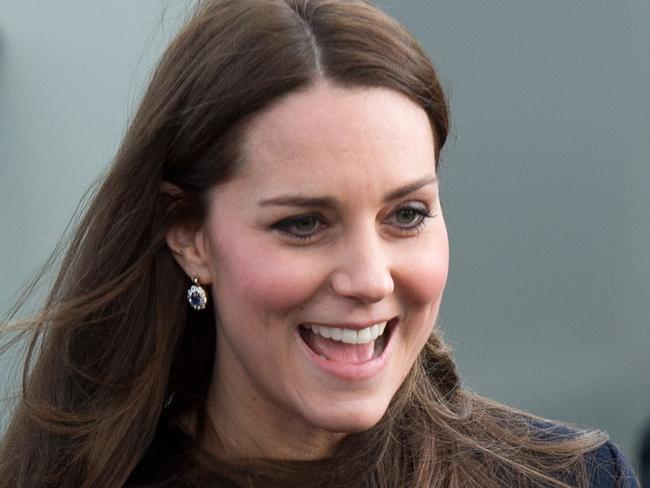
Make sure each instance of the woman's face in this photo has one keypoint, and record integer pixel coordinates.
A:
(331, 233)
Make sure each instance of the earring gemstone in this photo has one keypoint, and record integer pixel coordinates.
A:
(196, 296)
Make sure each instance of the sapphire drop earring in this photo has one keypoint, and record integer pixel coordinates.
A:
(196, 295)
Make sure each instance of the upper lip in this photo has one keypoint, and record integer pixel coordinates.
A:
(350, 325)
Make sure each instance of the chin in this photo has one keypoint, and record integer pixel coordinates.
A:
(359, 417)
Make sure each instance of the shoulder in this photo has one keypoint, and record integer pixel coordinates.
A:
(606, 465)
(609, 468)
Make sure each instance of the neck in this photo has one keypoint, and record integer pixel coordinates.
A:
(239, 434)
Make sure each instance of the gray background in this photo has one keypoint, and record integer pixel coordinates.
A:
(545, 177)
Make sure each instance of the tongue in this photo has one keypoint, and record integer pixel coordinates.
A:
(340, 351)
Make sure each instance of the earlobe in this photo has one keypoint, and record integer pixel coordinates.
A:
(188, 247)
(186, 243)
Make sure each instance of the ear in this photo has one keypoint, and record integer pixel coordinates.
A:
(187, 244)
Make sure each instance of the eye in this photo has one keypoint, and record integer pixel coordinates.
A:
(410, 218)
(302, 227)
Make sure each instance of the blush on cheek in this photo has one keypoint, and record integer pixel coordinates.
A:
(275, 281)
(427, 280)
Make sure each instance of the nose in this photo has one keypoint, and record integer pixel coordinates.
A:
(364, 270)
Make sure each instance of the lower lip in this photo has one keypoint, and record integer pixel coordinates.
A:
(350, 371)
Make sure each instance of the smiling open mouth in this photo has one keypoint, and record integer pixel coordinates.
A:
(347, 345)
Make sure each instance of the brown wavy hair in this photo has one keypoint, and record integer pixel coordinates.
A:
(117, 368)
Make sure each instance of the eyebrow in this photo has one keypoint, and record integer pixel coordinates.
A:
(324, 201)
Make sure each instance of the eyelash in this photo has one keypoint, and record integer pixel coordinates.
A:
(284, 226)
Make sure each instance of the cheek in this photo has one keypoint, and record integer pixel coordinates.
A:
(276, 281)
(423, 271)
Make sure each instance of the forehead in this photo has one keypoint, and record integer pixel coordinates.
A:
(331, 135)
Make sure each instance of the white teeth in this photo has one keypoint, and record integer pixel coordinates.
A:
(374, 331)
(336, 334)
(349, 336)
(364, 335)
